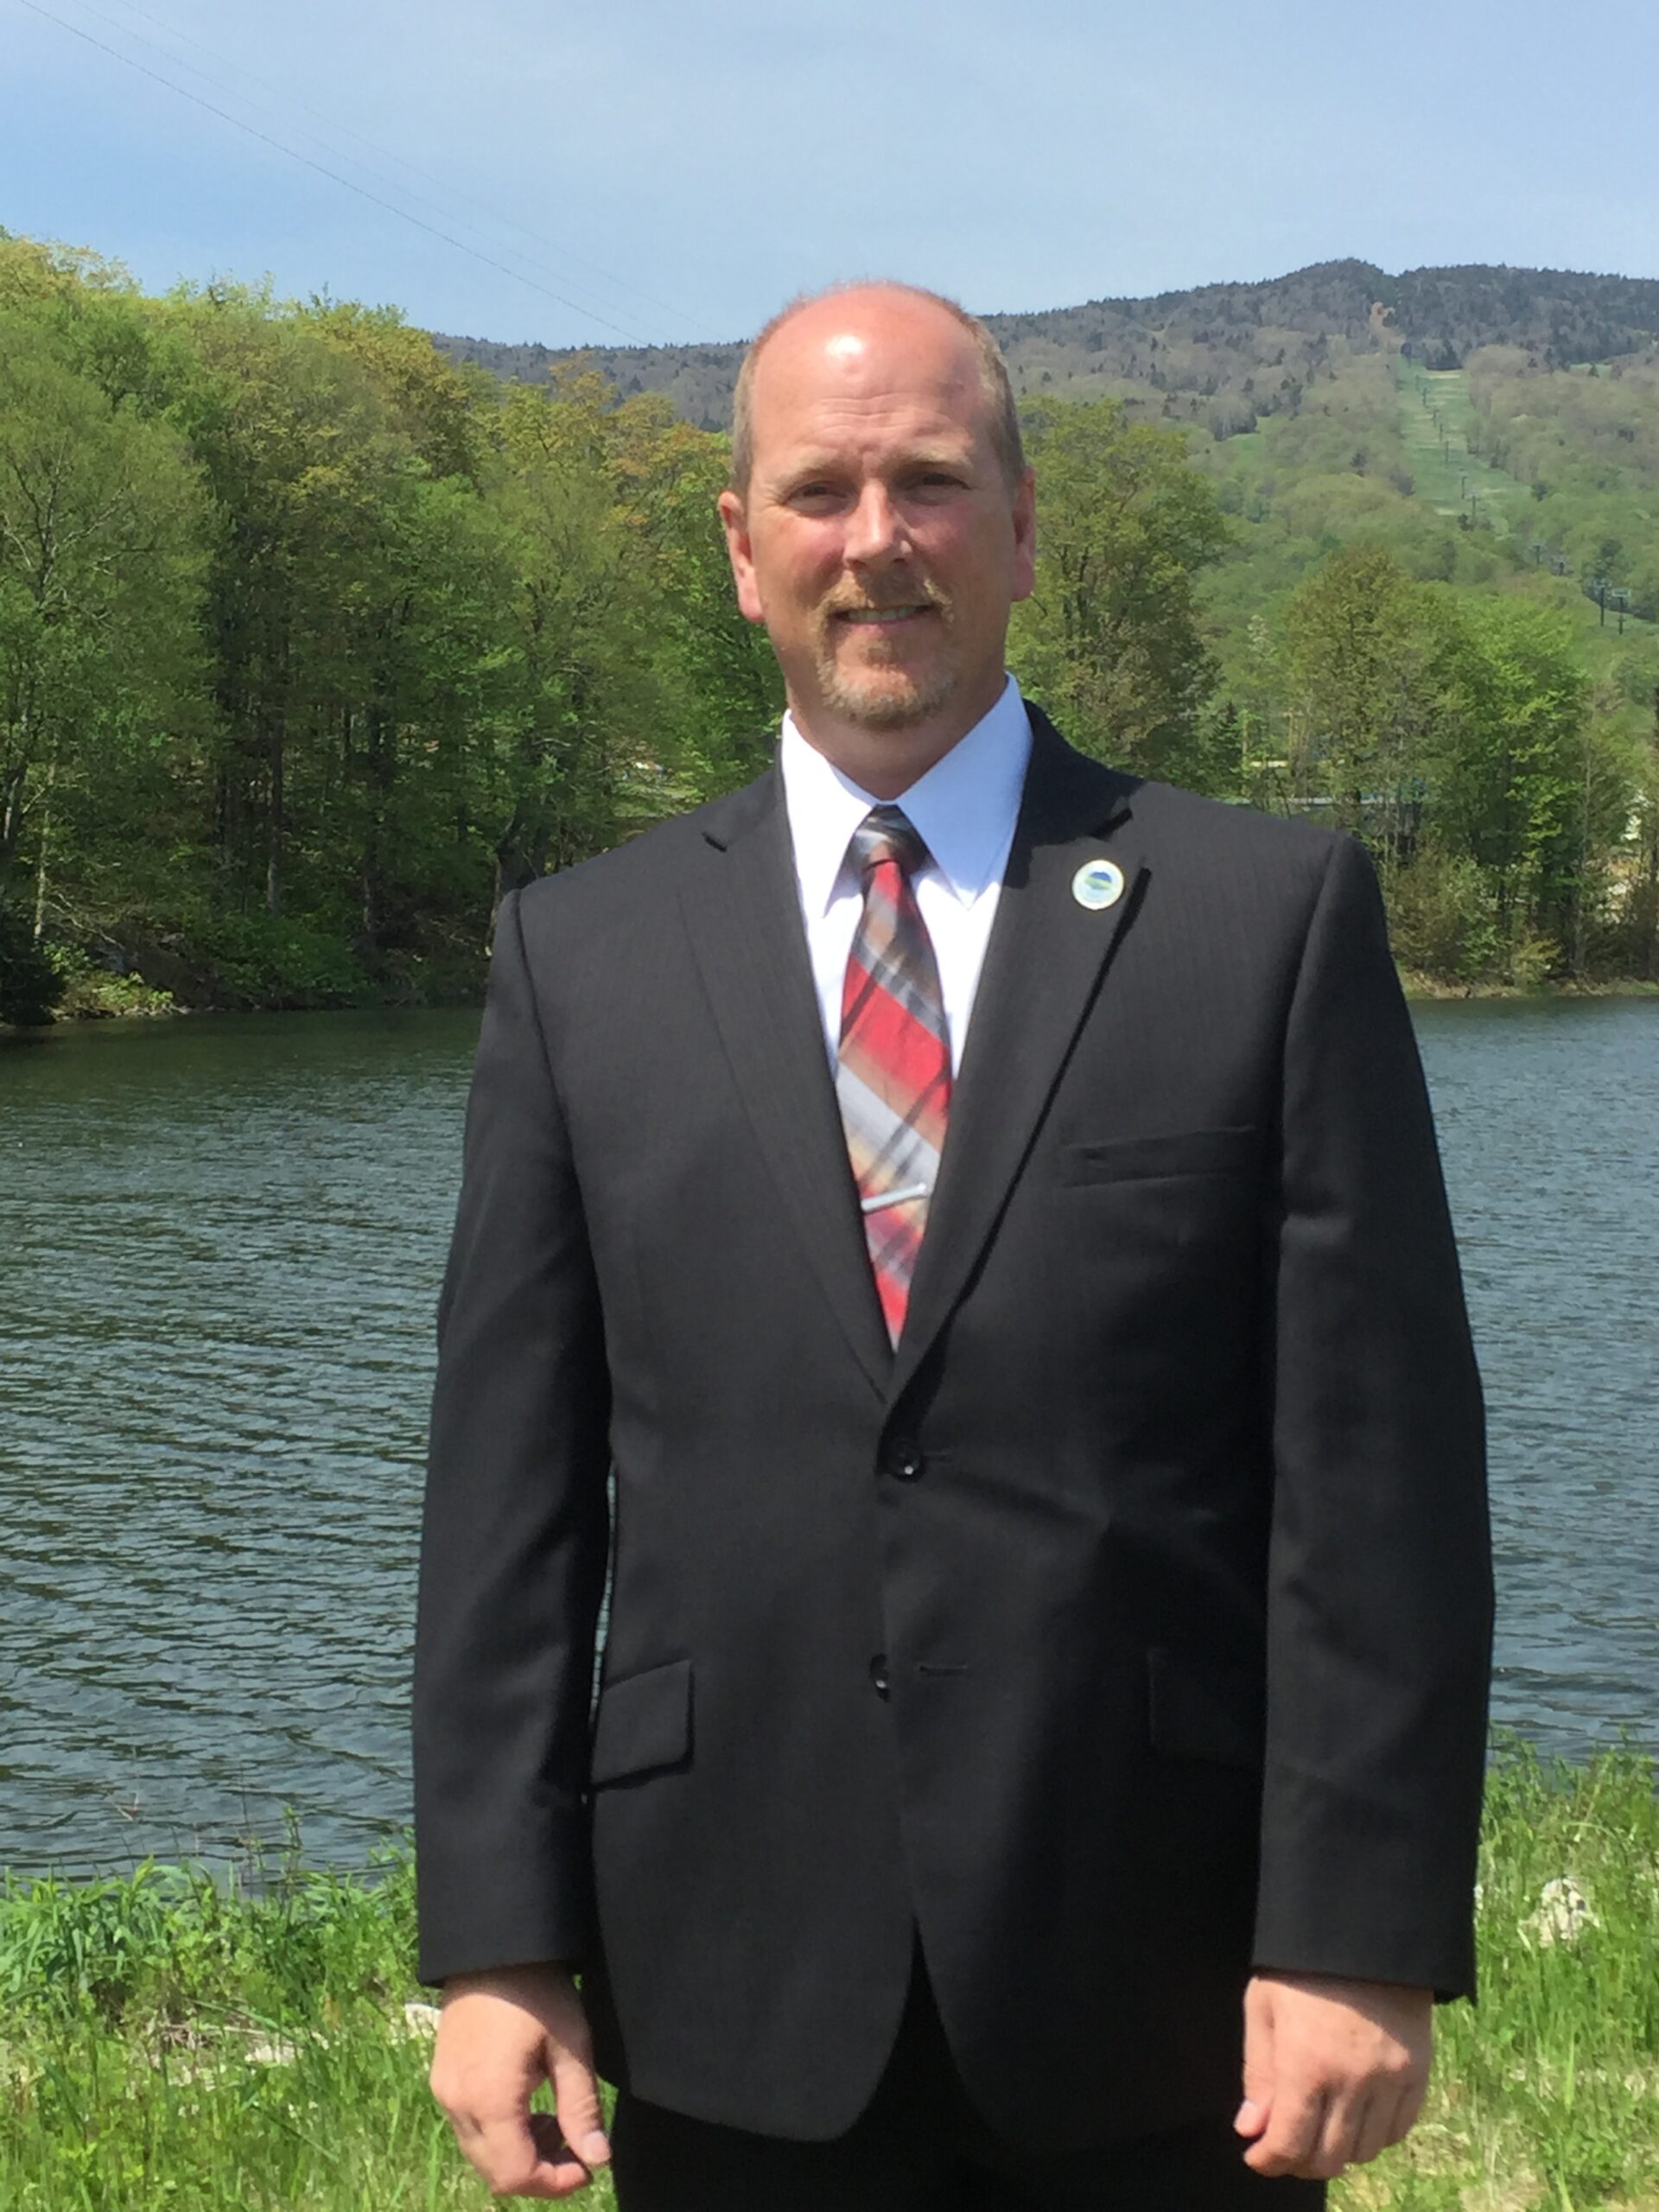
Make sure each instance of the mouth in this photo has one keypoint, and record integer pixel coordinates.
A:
(885, 618)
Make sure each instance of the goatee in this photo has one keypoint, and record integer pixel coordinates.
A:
(865, 696)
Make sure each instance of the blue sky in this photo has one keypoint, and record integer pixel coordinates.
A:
(684, 168)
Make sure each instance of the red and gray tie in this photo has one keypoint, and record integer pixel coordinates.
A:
(893, 1076)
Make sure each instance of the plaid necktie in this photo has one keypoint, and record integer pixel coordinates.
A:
(893, 1078)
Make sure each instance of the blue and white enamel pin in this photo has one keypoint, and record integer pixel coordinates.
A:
(1098, 884)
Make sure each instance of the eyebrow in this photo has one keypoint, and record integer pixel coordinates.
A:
(802, 471)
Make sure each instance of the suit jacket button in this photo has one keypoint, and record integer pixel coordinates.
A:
(904, 1459)
(879, 1674)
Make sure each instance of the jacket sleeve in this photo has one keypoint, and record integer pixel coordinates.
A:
(1380, 1600)
(515, 1528)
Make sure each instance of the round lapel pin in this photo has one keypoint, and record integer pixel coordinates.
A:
(1098, 884)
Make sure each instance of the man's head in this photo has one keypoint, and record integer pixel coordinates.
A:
(879, 522)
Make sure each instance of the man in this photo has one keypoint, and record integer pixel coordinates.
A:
(985, 1209)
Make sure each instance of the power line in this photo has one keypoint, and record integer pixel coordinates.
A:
(334, 175)
(178, 60)
(385, 153)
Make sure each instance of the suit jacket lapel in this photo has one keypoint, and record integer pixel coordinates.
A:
(743, 917)
(1043, 966)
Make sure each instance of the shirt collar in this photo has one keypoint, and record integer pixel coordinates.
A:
(964, 808)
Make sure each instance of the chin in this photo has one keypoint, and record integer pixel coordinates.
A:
(893, 712)
(885, 699)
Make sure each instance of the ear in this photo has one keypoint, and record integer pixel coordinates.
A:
(1025, 536)
(735, 521)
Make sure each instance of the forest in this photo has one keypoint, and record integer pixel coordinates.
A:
(1256, 346)
(314, 637)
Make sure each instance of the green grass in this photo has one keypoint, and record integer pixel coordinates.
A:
(169, 2042)
(1451, 478)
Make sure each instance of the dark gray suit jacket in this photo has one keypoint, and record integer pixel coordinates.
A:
(1128, 1628)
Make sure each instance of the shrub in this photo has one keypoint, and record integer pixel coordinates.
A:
(1442, 920)
(267, 960)
(91, 992)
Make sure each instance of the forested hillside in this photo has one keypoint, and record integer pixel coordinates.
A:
(1254, 347)
(313, 640)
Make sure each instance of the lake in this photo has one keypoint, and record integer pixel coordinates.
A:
(221, 1241)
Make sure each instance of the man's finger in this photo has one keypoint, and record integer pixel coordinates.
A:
(523, 2157)
(562, 2172)
(1376, 2129)
(1345, 2115)
(1292, 2131)
(575, 2092)
(1253, 2112)
(1394, 2110)
(1407, 2111)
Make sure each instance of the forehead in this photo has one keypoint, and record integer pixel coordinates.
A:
(888, 371)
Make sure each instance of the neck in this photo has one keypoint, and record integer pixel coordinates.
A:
(886, 762)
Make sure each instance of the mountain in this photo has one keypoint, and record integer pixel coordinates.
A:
(1252, 348)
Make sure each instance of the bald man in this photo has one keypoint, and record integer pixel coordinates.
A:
(956, 1231)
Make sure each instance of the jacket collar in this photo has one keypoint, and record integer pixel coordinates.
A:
(1045, 963)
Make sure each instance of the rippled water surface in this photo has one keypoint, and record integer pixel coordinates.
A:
(220, 1248)
(1548, 1115)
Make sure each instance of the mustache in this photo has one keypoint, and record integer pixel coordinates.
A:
(920, 593)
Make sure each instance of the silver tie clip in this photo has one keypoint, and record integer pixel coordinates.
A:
(894, 1197)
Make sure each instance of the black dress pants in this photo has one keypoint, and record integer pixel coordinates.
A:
(919, 2145)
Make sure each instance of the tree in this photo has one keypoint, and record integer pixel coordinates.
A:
(719, 669)
(100, 572)
(1509, 763)
(1369, 657)
(1644, 920)
(1109, 642)
(585, 749)
(29, 985)
(355, 612)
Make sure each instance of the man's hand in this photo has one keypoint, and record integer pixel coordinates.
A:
(1334, 2071)
(499, 2036)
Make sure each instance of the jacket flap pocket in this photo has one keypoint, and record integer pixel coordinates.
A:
(1180, 1152)
(1197, 1709)
(644, 1722)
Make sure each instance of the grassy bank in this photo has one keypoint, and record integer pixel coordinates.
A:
(170, 2042)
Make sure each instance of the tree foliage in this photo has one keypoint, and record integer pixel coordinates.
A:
(1458, 734)
(1109, 641)
(311, 644)
(312, 641)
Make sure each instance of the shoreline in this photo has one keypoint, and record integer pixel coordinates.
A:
(1420, 989)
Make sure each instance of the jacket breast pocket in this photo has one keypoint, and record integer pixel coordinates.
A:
(642, 1725)
(1198, 1709)
(1178, 1152)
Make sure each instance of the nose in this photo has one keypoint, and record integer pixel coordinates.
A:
(875, 530)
